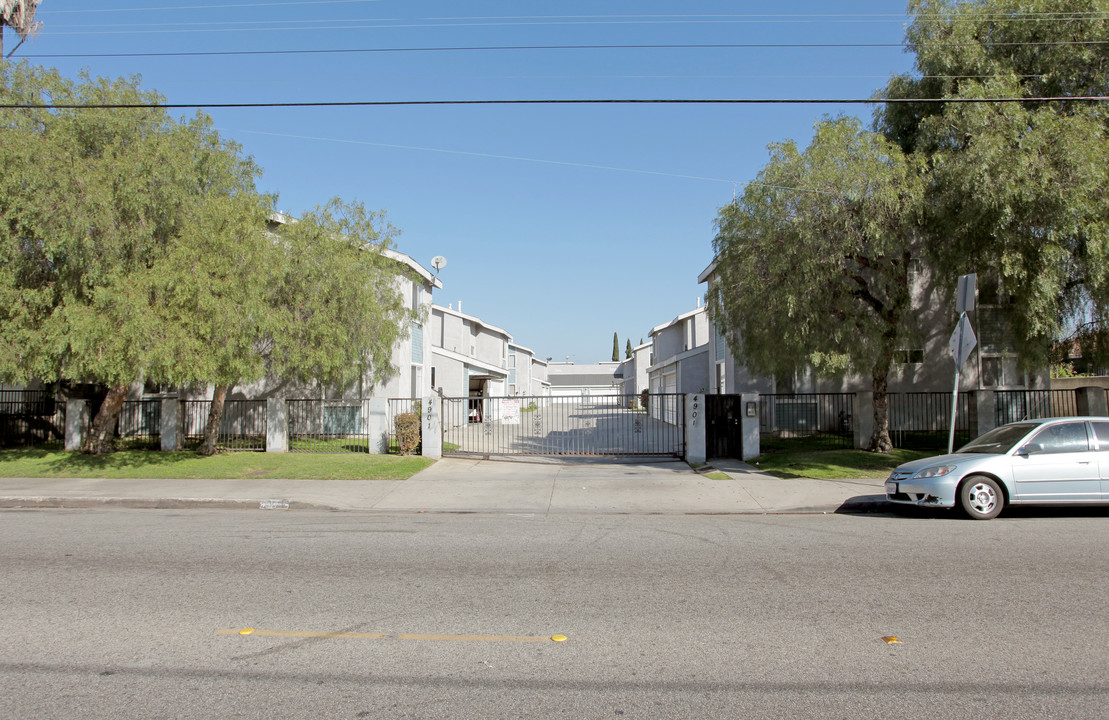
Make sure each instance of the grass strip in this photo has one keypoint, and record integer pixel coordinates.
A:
(836, 464)
(186, 465)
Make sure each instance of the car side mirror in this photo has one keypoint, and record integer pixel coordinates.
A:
(1030, 449)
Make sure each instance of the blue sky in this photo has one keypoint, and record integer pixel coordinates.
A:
(560, 223)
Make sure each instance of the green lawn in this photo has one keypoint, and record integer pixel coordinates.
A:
(34, 462)
(836, 464)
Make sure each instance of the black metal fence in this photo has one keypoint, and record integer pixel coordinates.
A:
(601, 425)
(922, 420)
(31, 417)
(812, 421)
(575, 425)
(328, 426)
(242, 428)
(1014, 405)
(140, 423)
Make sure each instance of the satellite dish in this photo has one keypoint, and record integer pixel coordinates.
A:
(438, 262)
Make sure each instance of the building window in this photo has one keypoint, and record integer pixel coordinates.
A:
(417, 343)
(994, 334)
(908, 357)
(999, 371)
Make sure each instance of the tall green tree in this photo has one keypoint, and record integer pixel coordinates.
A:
(341, 309)
(1017, 188)
(615, 348)
(813, 260)
(628, 349)
(118, 230)
(220, 313)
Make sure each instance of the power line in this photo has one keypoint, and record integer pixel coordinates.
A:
(500, 48)
(492, 156)
(541, 161)
(578, 101)
(963, 16)
(85, 11)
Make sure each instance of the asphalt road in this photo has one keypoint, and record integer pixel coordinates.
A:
(113, 613)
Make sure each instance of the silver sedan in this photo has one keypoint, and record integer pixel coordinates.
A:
(1061, 460)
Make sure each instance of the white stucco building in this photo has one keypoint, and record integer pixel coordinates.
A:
(679, 362)
(591, 380)
(469, 355)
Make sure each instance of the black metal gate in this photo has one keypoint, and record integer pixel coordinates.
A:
(608, 425)
(723, 431)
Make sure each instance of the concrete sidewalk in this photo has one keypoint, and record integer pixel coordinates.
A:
(480, 486)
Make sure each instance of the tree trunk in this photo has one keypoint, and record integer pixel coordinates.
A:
(880, 440)
(215, 419)
(102, 434)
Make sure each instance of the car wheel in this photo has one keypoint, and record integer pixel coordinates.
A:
(981, 498)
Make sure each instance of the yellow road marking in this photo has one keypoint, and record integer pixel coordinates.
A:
(392, 636)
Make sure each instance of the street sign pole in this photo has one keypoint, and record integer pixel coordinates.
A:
(954, 409)
(962, 342)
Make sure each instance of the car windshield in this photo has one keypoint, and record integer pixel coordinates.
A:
(999, 440)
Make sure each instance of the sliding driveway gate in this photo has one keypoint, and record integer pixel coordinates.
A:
(578, 425)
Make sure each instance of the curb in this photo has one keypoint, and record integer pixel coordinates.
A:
(157, 503)
(862, 504)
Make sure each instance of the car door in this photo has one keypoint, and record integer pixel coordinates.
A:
(1062, 469)
(1101, 437)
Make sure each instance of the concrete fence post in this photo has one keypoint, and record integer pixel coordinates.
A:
(171, 424)
(277, 426)
(76, 423)
(749, 426)
(377, 425)
(985, 402)
(696, 451)
(1091, 401)
(431, 431)
(863, 421)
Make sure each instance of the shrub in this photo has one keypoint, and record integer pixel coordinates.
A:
(407, 427)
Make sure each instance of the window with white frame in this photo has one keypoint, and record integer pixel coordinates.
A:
(417, 343)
